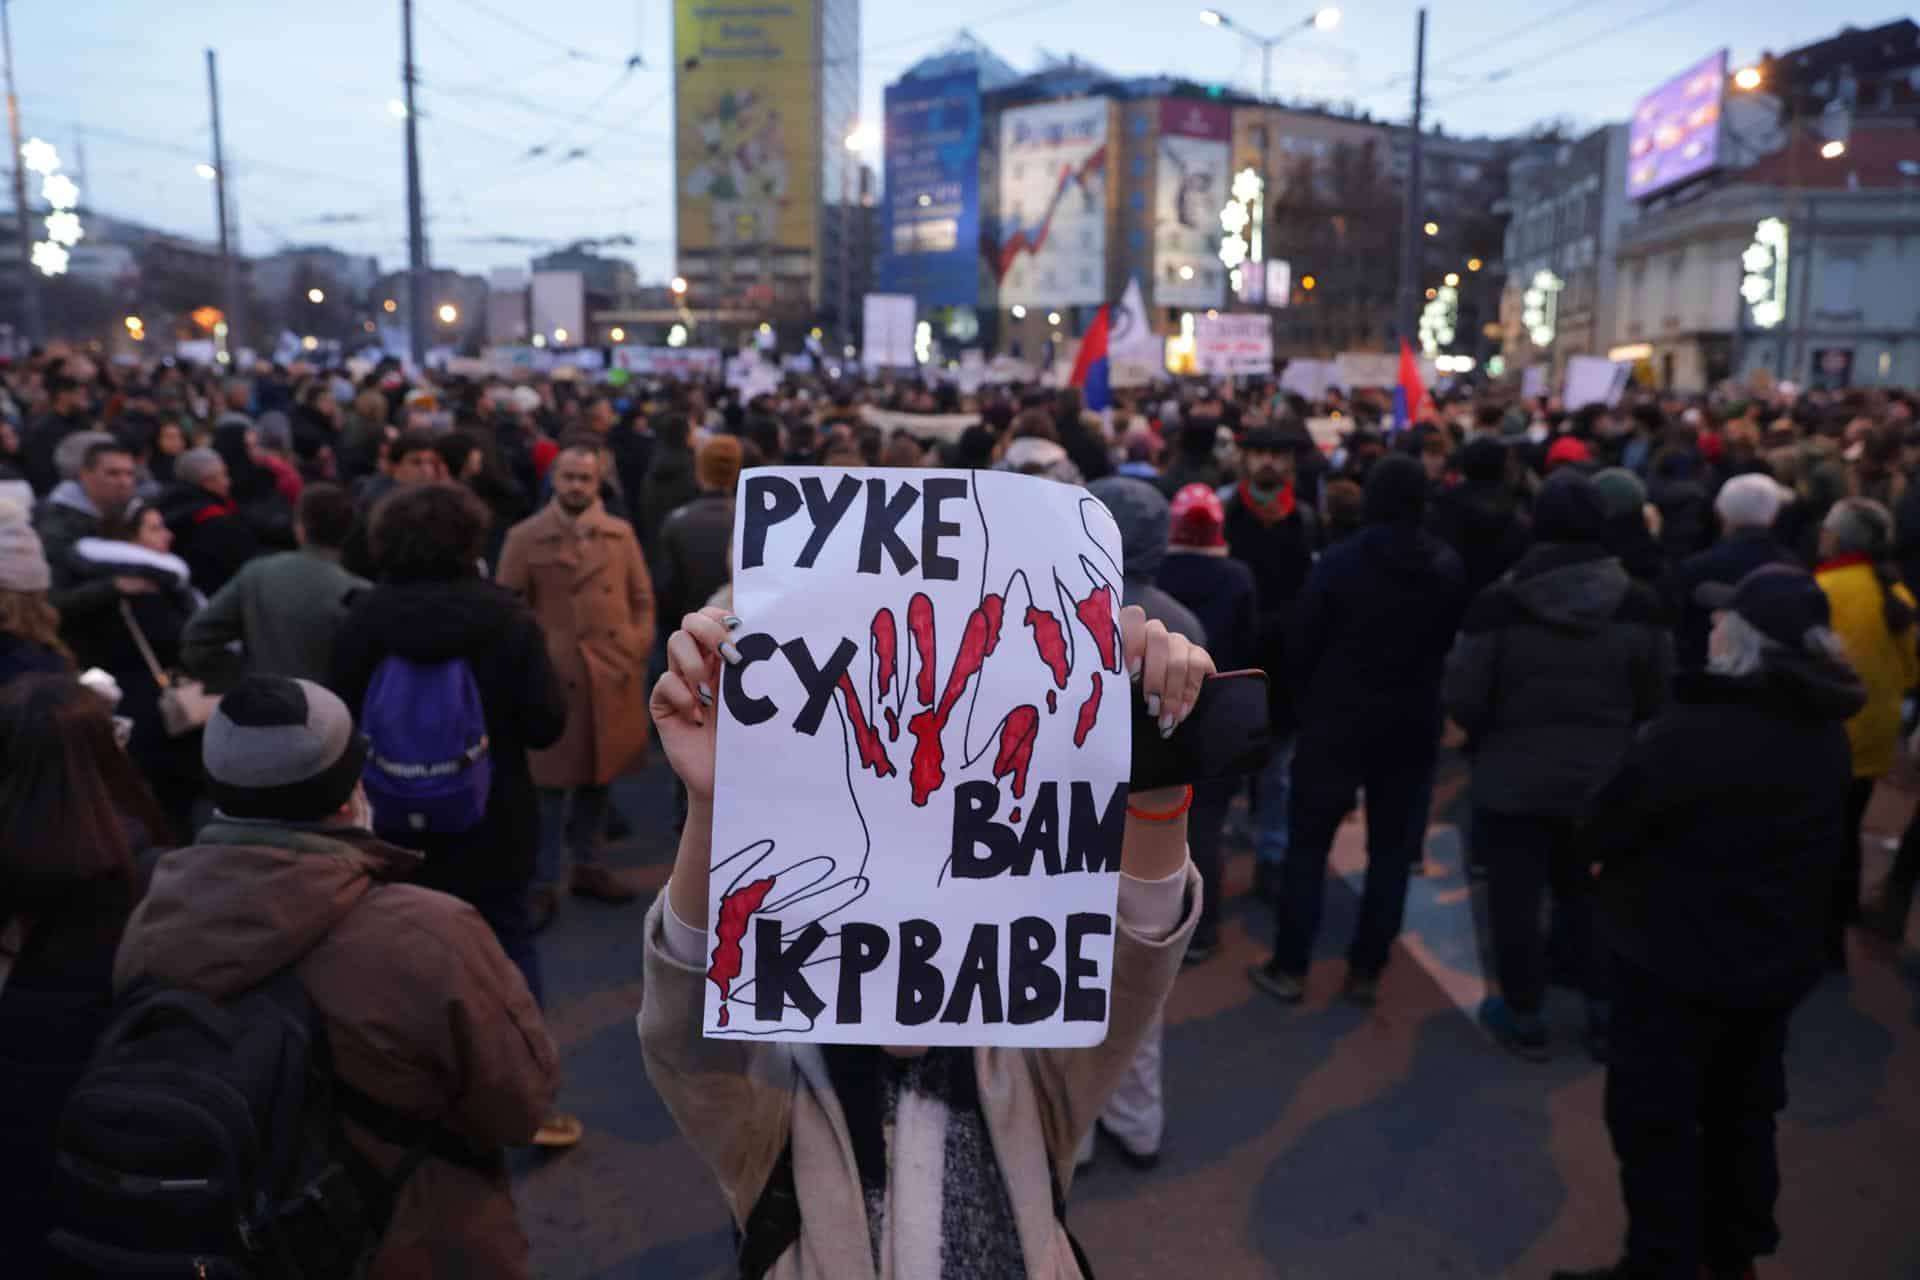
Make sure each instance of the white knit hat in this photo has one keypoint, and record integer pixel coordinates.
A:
(23, 565)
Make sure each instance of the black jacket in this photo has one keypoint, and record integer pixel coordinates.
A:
(521, 697)
(42, 439)
(1718, 834)
(210, 534)
(1280, 556)
(1219, 592)
(1730, 560)
(668, 486)
(1487, 528)
(1556, 664)
(695, 557)
(1370, 632)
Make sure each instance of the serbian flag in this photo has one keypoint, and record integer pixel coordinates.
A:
(1091, 369)
(1409, 391)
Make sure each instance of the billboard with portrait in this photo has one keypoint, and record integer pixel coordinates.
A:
(1675, 132)
(932, 156)
(1190, 187)
(1054, 180)
(745, 145)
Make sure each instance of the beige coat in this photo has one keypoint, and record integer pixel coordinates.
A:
(424, 1012)
(588, 587)
(737, 1102)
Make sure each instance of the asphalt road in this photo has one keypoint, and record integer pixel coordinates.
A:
(1318, 1143)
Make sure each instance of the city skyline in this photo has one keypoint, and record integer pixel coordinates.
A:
(537, 130)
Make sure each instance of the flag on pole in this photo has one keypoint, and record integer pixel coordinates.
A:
(1091, 370)
(1409, 391)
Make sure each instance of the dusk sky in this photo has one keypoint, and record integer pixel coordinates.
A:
(317, 157)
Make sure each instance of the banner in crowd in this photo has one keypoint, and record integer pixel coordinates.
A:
(1307, 378)
(1353, 370)
(1190, 187)
(922, 762)
(1233, 343)
(1594, 380)
(888, 321)
(668, 362)
(932, 248)
(945, 428)
(1136, 355)
(1054, 183)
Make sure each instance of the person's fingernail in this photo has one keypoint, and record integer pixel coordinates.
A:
(1166, 725)
(706, 695)
(1153, 705)
(730, 622)
(1138, 666)
(729, 651)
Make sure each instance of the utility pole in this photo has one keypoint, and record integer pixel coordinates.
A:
(416, 231)
(30, 330)
(1414, 212)
(228, 309)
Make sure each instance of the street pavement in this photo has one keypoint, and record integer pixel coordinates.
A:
(1317, 1143)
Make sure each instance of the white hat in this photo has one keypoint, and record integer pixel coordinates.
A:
(23, 562)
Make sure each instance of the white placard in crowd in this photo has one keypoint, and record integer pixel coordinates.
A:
(198, 350)
(1307, 378)
(1233, 343)
(1355, 369)
(922, 762)
(1328, 432)
(668, 362)
(1533, 381)
(888, 319)
(942, 427)
(1594, 380)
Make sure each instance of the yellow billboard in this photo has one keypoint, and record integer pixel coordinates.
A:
(745, 160)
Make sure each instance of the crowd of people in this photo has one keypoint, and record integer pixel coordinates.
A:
(374, 647)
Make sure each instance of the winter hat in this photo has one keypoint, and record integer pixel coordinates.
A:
(1568, 449)
(717, 465)
(23, 563)
(1620, 491)
(1484, 462)
(1396, 491)
(1141, 512)
(1198, 518)
(282, 749)
(1570, 509)
(1781, 601)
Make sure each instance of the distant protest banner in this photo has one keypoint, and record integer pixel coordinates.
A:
(922, 762)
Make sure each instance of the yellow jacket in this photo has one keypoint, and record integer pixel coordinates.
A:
(1887, 664)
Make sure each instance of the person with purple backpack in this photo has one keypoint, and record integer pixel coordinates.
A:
(449, 676)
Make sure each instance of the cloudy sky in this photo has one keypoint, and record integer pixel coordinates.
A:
(511, 90)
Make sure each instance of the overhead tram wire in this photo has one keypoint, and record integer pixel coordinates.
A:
(534, 33)
(1572, 46)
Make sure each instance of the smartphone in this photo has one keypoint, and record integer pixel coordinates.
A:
(1226, 734)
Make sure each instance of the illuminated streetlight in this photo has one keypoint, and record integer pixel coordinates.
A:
(1186, 272)
(617, 334)
(1019, 312)
(678, 284)
(1327, 19)
(924, 200)
(1308, 283)
(316, 296)
(560, 335)
(1832, 149)
(135, 322)
(539, 339)
(309, 342)
(206, 171)
(367, 325)
(1432, 294)
(448, 313)
(389, 306)
(1432, 228)
(1053, 317)
(396, 108)
(1212, 17)
(1453, 278)
(1747, 78)
(1474, 264)
(862, 137)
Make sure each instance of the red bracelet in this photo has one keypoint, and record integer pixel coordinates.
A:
(1165, 815)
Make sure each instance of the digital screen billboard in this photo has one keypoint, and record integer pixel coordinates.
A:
(1190, 186)
(932, 157)
(1675, 133)
(1052, 249)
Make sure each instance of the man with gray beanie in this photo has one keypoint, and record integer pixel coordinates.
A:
(1746, 507)
(427, 1020)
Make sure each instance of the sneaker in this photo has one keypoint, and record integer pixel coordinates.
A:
(1287, 988)
(1142, 1161)
(559, 1131)
(1521, 1034)
(1362, 989)
(602, 884)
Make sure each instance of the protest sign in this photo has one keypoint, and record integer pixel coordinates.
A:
(1308, 379)
(922, 762)
(1236, 343)
(943, 427)
(1594, 380)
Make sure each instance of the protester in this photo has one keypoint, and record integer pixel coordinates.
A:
(1746, 507)
(429, 1026)
(1482, 518)
(29, 627)
(412, 459)
(695, 556)
(1873, 614)
(73, 511)
(67, 412)
(1631, 534)
(213, 535)
(771, 1120)
(670, 482)
(1557, 664)
(74, 816)
(1717, 840)
(279, 615)
(1370, 632)
(581, 572)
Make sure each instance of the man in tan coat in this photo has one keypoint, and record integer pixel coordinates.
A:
(581, 571)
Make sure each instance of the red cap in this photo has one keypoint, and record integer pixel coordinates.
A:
(1198, 518)
(1568, 449)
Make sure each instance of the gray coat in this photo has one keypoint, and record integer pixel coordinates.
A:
(1556, 664)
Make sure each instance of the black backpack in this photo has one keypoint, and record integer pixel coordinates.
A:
(204, 1139)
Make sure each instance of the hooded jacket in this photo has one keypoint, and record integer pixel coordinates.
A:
(1555, 666)
(67, 516)
(1486, 527)
(520, 696)
(1718, 832)
(424, 1013)
(209, 533)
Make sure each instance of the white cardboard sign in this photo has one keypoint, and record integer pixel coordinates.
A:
(1233, 343)
(922, 762)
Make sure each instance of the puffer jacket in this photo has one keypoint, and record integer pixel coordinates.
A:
(1555, 665)
(1886, 663)
(424, 1013)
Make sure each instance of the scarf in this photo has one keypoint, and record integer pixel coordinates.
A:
(1272, 511)
(1846, 561)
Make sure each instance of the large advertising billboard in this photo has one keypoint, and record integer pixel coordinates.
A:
(1675, 133)
(932, 247)
(1190, 187)
(745, 159)
(1053, 204)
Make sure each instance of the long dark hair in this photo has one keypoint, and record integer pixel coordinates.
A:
(67, 792)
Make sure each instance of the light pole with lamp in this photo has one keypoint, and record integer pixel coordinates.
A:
(1325, 18)
(860, 137)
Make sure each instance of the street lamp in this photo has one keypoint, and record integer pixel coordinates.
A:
(679, 286)
(560, 336)
(1474, 264)
(1747, 78)
(862, 137)
(448, 313)
(389, 306)
(1432, 228)
(316, 296)
(1019, 312)
(1832, 149)
(1453, 278)
(1053, 317)
(206, 171)
(617, 334)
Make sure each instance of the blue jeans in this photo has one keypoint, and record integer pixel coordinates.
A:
(577, 829)
(512, 924)
(1272, 790)
(1323, 794)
